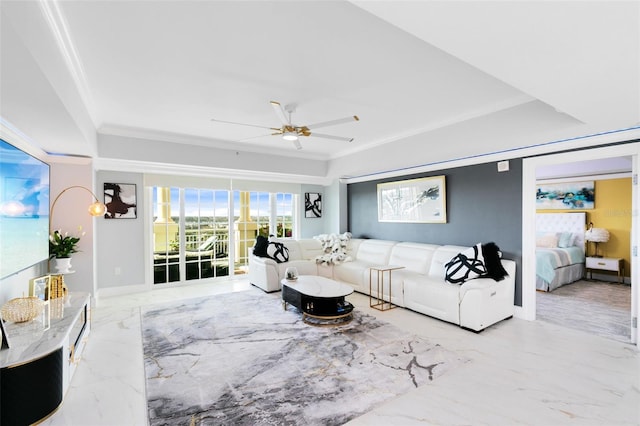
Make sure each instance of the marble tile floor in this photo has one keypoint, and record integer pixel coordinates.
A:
(521, 373)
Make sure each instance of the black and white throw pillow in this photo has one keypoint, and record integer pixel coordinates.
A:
(465, 266)
(278, 252)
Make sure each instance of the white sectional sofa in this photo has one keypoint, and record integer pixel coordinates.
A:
(419, 286)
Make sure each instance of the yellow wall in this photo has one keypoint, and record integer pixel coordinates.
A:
(613, 212)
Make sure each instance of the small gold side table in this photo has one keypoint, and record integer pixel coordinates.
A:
(378, 302)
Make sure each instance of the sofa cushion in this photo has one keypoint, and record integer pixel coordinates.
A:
(433, 297)
(304, 267)
(415, 257)
(465, 265)
(355, 273)
(375, 252)
(309, 248)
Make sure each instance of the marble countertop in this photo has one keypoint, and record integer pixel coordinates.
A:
(43, 335)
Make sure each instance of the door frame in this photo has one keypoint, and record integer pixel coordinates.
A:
(529, 166)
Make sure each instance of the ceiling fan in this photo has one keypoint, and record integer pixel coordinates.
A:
(292, 132)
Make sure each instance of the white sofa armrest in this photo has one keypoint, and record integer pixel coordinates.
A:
(263, 273)
(484, 301)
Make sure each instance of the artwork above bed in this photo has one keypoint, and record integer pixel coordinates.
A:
(565, 196)
(560, 249)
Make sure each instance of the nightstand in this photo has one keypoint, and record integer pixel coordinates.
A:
(605, 264)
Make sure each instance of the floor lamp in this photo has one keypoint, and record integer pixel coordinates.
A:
(96, 208)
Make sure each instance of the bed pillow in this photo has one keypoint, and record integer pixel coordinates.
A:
(565, 239)
(465, 266)
(547, 241)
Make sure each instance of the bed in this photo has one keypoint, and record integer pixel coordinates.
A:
(560, 249)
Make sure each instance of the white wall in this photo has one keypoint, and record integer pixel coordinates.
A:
(70, 213)
(120, 255)
(310, 227)
(17, 285)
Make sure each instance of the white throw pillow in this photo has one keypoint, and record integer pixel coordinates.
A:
(466, 265)
(547, 241)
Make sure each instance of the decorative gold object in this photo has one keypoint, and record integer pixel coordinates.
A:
(22, 309)
(56, 287)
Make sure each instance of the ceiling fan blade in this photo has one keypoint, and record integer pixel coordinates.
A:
(280, 112)
(338, 138)
(244, 124)
(333, 122)
(297, 144)
(264, 135)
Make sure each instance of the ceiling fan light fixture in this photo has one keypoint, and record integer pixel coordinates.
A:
(290, 136)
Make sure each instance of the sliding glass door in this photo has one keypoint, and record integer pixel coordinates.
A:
(207, 233)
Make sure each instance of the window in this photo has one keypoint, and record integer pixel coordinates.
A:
(284, 215)
(196, 237)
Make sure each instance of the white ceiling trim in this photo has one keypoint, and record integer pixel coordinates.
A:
(159, 135)
(579, 178)
(614, 136)
(61, 35)
(208, 172)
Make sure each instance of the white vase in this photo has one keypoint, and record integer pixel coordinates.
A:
(63, 265)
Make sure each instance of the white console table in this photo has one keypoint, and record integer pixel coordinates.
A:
(38, 366)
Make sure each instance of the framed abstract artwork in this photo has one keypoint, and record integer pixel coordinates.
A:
(566, 195)
(312, 204)
(415, 200)
(121, 201)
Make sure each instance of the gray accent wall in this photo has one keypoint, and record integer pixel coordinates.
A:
(483, 205)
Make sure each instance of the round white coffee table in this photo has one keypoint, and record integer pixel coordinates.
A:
(320, 299)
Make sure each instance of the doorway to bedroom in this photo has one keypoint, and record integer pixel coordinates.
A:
(599, 305)
(596, 300)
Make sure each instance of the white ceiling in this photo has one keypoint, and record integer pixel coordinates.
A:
(429, 80)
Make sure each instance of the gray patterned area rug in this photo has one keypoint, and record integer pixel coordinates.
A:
(240, 359)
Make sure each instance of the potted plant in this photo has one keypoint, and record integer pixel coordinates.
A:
(61, 247)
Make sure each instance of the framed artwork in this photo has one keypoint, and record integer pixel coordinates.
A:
(566, 196)
(312, 204)
(38, 287)
(121, 201)
(415, 200)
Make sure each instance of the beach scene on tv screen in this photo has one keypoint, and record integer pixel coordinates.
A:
(24, 210)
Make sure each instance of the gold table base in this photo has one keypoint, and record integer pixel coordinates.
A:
(378, 302)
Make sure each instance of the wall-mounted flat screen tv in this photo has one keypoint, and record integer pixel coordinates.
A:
(24, 210)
